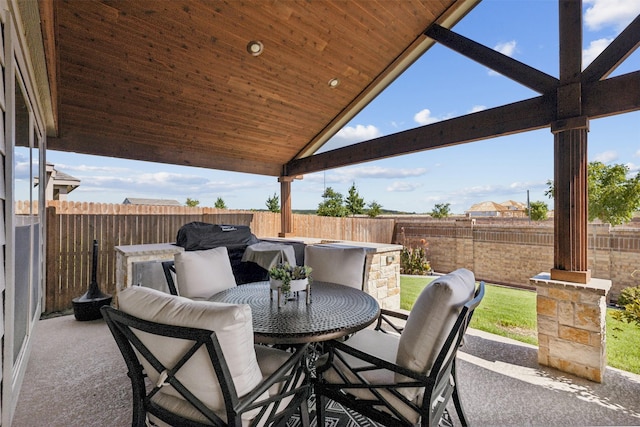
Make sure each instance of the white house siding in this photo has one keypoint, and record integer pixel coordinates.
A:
(20, 47)
(3, 189)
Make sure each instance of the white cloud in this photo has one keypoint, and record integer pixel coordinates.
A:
(365, 172)
(91, 169)
(403, 186)
(386, 173)
(351, 135)
(637, 154)
(22, 170)
(496, 193)
(115, 187)
(424, 117)
(173, 179)
(477, 108)
(506, 48)
(606, 157)
(479, 190)
(615, 13)
(229, 186)
(633, 168)
(595, 48)
(358, 133)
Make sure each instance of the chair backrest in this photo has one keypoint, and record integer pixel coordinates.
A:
(432, 319)
(337, 264)
(201, 274)
(447, 354)
(169, 269)
(199, 355)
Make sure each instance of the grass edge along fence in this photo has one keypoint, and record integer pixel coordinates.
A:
(511, 313)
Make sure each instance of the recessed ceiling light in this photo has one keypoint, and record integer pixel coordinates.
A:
(255, 48)
(334, 83)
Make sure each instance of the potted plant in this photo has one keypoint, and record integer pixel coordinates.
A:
(286, 278)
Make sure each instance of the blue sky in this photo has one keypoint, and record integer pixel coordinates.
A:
(440, 85)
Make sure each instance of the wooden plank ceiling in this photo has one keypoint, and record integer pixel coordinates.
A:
(173, 82)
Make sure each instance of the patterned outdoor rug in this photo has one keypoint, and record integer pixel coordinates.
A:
(335, 416)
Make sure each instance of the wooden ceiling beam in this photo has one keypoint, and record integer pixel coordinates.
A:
(615, 95)
(509, 67)
(49, 27)
(521, 116)
(617, 51)
(601, 99)
(154, 152)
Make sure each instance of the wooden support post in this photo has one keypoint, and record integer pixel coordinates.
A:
(286, 216)
(570, 154)
(570, 210)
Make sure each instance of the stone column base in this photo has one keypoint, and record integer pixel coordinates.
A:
(571, 325)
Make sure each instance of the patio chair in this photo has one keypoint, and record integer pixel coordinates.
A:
(193, 363)
(404, 376)
(337, 264)
(201, 274)
(169, 269)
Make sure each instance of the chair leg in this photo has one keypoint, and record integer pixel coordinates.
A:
(456, 398)
(304, 413)
(320, 410)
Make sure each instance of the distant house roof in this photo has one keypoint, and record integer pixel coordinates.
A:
(513, 205)
(152, 202)
(59, 184)
(509, 208)
(487, 207)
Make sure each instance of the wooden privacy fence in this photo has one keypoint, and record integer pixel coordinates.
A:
(72, 227)
(70, 238)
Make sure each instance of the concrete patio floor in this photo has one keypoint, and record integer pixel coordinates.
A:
(76, 377)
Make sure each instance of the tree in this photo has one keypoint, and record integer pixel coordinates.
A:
(354, 203)
(332, 205)
(273, 203)
(612, 196)
(441, 210)
(374, 209)
(220, 203)
(192, 203)
(539, 211)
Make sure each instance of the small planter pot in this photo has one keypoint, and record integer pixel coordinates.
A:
(295, 285)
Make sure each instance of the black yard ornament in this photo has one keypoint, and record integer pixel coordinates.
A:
(87, 307)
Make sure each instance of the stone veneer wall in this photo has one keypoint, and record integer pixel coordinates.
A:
(571, 325)
(513, 252)
(382, 268)
(382, 278)
(127, 255)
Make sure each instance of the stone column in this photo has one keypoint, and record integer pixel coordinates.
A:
(571, 325)
(382, 278)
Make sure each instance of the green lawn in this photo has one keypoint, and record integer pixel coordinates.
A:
(512, 313)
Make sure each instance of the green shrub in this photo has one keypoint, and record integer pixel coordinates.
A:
(414, 261)
(629, 300)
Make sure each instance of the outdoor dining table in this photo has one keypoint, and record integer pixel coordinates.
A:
(334, 311)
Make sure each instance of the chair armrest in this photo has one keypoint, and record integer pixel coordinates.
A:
(375, 362)
(289, 372)
(386, 317)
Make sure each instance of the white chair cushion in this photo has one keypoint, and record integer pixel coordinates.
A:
(427, 327)
(335, 264)
(234, 330)
(431, 319)
(383, 346)
(203, 273)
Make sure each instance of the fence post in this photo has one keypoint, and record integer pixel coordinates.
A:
(52, 248)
